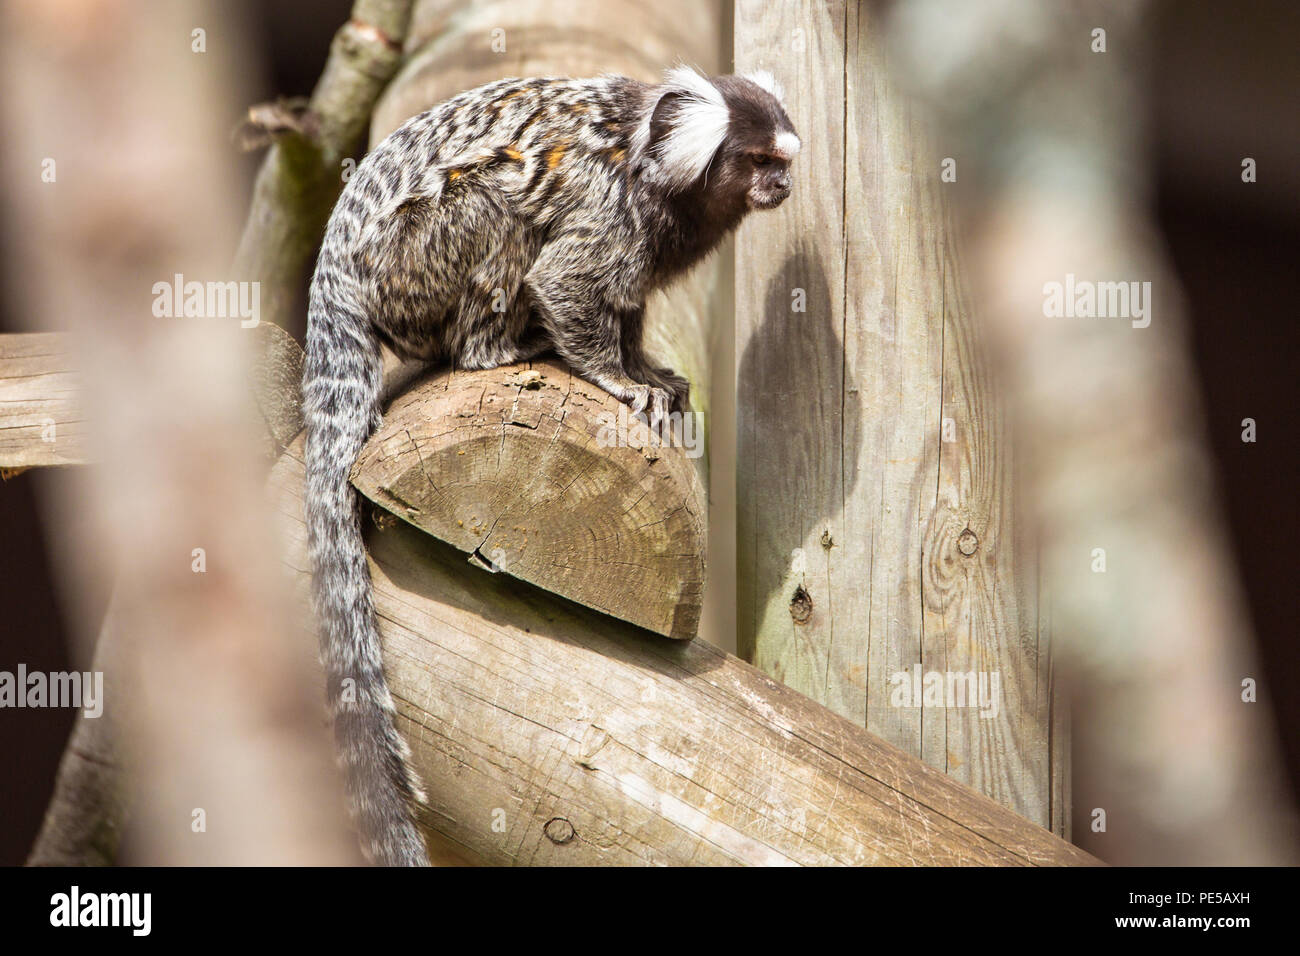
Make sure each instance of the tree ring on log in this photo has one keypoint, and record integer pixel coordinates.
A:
(535, 471)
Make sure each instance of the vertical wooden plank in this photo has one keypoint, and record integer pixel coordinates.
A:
(790, 370)
(979, 581)
(894, 352)
(870, 547)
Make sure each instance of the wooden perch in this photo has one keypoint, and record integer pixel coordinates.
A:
(41, 419)
(541, 475)
(40, 412)
(550, 734)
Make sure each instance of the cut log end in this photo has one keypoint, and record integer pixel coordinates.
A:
(535, 473)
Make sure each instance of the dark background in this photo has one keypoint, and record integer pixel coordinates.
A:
(1225, 84)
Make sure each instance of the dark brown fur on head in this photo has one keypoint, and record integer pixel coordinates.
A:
(755, 156)
(739, 142)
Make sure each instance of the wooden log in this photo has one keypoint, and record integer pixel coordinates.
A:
(549, 734)
(41, 422)
(874, 478)
(539, 474)
(41, 419)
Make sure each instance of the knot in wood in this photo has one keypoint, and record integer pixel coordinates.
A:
(558, 830)
(967, 542)
(801, 605)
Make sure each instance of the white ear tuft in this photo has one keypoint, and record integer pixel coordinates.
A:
(686, 79)
(698, 127)
(765, 80)
(787, 144)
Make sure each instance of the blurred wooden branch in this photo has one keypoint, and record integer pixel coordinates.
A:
(295, 190)
(230, 756)
(1039, 106)
(303, 173)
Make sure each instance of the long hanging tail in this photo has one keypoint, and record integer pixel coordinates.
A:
(341, 390)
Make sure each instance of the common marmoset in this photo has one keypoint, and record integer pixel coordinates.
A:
(523, 216)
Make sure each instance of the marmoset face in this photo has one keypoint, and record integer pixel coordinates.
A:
(769, 180)
(760, 145)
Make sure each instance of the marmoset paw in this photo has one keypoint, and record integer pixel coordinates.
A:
(678, 387)
(650, 401)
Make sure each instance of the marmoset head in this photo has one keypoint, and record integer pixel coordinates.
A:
(730, 130)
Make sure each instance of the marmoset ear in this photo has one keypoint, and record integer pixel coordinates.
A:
(662, 118)
(685, 128)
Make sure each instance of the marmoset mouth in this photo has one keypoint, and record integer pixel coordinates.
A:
(769, 202)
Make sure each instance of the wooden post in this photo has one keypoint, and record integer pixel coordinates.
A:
(875, 529)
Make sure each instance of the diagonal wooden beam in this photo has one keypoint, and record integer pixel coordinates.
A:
(548, 733)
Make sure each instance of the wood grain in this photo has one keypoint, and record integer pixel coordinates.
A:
(543, 476)
(41, 422)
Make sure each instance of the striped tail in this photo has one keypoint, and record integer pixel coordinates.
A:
(341, 390)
